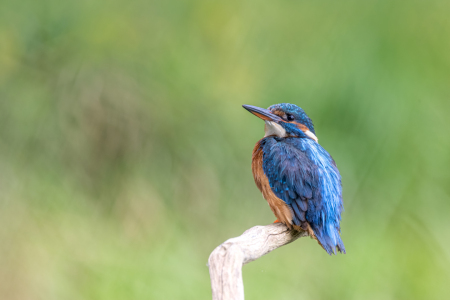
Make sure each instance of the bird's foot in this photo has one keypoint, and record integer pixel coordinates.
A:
(276, 221)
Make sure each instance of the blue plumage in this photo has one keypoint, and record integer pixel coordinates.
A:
(301, 173)
(297, 112)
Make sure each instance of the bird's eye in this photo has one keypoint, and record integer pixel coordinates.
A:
(289, 117)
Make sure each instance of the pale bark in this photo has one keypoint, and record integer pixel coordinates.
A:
(226, 261)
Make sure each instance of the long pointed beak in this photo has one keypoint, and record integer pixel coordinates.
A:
(262, 113)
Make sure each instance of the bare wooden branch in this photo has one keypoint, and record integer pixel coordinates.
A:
(226, 261)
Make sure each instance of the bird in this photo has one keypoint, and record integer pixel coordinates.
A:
(298, 178)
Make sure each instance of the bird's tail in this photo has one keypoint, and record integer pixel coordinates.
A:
(330, 239)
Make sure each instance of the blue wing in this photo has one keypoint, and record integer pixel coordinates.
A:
(304, 175)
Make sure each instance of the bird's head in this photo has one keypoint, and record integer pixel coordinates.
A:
(285, 120)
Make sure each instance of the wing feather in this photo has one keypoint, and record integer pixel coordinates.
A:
(297, 175)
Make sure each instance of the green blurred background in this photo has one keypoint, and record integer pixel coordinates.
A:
(125, 152)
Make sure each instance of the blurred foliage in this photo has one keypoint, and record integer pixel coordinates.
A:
(125, 153)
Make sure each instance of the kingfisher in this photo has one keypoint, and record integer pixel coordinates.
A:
(297, 177)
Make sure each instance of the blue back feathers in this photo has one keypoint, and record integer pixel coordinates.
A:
(304, 175)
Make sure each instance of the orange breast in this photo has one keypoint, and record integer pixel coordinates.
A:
(278, 206)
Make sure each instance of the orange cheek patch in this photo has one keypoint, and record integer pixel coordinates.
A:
(279, 113)
(301, 127)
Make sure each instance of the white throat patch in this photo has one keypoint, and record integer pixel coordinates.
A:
(272, 128)
(311, 135)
